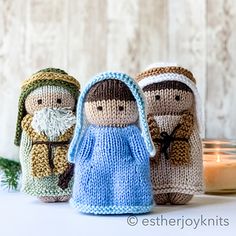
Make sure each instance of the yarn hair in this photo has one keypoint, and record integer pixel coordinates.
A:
(167, 85)
(108, 90)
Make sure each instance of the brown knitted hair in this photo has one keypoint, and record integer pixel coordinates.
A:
(108, 90)
(167, 85)
(162, 70)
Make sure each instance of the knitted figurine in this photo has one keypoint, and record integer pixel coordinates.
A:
(174, 117)
(112, 172)
(45, 126)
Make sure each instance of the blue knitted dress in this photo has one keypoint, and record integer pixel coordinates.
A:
(112, 172)
(112, 169)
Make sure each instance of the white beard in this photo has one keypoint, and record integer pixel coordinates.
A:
(53, 122)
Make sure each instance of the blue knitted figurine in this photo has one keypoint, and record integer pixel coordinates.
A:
(111, 148)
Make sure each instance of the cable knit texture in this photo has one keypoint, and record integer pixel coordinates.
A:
(111, 154)
(173, 108)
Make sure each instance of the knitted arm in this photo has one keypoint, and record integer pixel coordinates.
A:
(186, 127)
(24, 155)
(39, 152)
(137, 146)
(73, 147)
(25, 146)
(80, 150)
(155, 134)
(180, 148)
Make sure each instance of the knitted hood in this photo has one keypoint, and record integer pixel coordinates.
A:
(45, 77)
(81, 119)
(157, 73)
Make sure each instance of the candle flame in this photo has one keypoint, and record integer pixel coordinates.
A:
(218, 158)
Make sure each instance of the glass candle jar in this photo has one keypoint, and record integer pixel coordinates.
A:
(219, 161)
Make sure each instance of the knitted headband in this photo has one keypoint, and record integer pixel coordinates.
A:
(162, 70)
(139, 98)
(155, 74)
(51, 77)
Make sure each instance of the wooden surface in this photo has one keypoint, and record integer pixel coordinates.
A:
(89, 36)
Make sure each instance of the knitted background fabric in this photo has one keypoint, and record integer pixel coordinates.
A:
(112, 169)
(45, 170)
(169, 177)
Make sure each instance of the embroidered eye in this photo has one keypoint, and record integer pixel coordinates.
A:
(59, 101)
(121, 108)
(40, 101)
(157, 97)
(99, 108)
(177, 98)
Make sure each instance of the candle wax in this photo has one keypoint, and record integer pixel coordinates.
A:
(220, 176)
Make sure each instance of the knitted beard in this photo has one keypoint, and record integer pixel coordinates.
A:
(45, 127)
(53, 122)
(49, 78)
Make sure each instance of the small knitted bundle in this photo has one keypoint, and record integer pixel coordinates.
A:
(174, 116)
(110, 150)
(45, 126)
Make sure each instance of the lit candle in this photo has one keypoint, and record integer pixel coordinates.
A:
(219, 168)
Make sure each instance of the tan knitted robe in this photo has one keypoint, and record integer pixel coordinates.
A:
(171, 90)
(186, 178)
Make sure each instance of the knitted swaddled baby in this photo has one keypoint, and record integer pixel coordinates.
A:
(45, 127)
(174, 113)
(111, 148)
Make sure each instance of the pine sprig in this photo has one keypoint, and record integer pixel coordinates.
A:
(11, 173)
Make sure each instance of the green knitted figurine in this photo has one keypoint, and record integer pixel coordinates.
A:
(45, 126)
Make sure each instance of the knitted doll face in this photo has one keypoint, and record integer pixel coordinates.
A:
(111, 103)
(49, 97)
(168, 98)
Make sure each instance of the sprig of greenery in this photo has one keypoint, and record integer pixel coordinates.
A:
(11, 173)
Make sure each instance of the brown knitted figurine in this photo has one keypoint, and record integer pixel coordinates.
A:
(175, 126)
(45, 125)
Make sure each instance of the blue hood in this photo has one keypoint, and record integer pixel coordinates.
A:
(81, 123)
